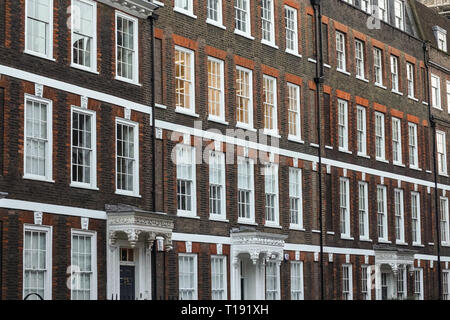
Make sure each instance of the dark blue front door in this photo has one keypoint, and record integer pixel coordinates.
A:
(127, 283)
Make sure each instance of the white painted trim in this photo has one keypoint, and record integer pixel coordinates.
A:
(49, 43)
(64, 86)
(50, 208)
(136, 55)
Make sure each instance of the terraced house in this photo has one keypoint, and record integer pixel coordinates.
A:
(211, 149)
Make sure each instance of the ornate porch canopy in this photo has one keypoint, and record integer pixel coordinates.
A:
(394, 257)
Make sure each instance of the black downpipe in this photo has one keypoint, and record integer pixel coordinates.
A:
(319, 80)
(436, 191)
(151, 20)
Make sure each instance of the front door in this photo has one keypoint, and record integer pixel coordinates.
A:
(127, 283)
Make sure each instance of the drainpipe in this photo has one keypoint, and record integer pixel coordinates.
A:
(436, 199)
(319, 80)
(151, 20)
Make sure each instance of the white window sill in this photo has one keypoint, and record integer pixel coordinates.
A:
(315, 231)
(380, 86)
(401, 243)
(331, 233)
(346, 237)
(38, 178)
(327, 66)
(384, 241)
(437, 108)
(428, 171)
(295, 139)
(365, 239)
(128, 194)
(82, 68)
(362, 79)
(312, 60)
(413, 98)
(271, 133)
(187, 13)
(424, 103)
(345, 150)
(344, 72)
(296, 227)
(445, 244)
(83, 186)
(329, 147)
(187, 214)
(218, 219)
(399, 164)
(431, 243)
(36, 54)
(216, 24)
(269, 44)
(397, 92)
(186, 112)
(272, 225)
(217, 120)
(296, 54)
(134, 82)
(161, 106)
(243, 34)
(158, 3)
(244, 126)
(363, 155)
(415, 168)
(443, 175)
(247, 222)
(315, 145)
(418, 245)
(382, 160)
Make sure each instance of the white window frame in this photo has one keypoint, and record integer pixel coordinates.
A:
(48, 230)
(446, 284)
(363, 203)
(251, 219)
(294, 102)
(416, 221)
(135, 191)
(418, 292)
(271, 170)
(93, 160)
(93, 235)
(193, 212)
(441, 156)
(383, 13)
(277, 289)
(399, 213)
(247, 21)
(359, 59)
(441, 38)
(343, 125)
(448, 96)
(195, 274)
(93, 58)
(344, 208)
(49, 146)
(397, 156)
(366, 6)
(298, 291)
(413, 147)
(341, 39)
(135, 79)
(294, 30)
(191, 82)
(394, 74)
(410, 78)
(367, 281)
(240, 124)
(399, 14)
(436, 92)
(274, 108)
(361, 128)
(378, 66)
(296, 195)
(223, 206)
(49, 44)
(189, 11)
(223, 260)
(402, 280)
(347, 295)
(444, 224)
(219, 21)
(271, 31)
(221, 116)
(381, 137)
(384, 221)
